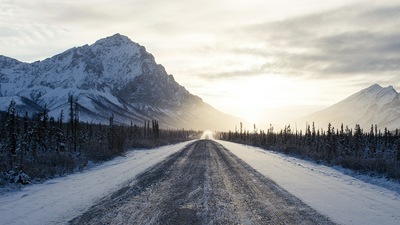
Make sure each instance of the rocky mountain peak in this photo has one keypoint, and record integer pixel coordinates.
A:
(390, 89)
(118, 44)
(379, 88)
(372, 105)
(113, 76)
(7, 62)
(374, 93)
(114, 40)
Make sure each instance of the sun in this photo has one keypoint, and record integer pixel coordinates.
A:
(257, 95)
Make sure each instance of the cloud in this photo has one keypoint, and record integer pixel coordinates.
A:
(212, 41)
(350, 41)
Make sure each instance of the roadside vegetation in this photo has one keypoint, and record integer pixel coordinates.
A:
(42, 147)
(374, 151)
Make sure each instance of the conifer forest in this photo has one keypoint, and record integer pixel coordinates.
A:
(373, 151)
(42, 147)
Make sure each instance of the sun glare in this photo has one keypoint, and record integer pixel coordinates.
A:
(257, 94)
(207, 135)
(257, 98)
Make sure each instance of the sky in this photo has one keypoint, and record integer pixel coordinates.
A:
(262, 60)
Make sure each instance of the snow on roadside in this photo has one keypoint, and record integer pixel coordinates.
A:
(59, 200)
(345, 199)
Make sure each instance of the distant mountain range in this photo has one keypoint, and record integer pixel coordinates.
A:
(113, 76)
(373, 105)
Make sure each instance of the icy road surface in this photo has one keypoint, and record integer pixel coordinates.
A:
(344, 199)
(202, 184)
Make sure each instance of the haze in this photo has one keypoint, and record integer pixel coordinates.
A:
(264, 61)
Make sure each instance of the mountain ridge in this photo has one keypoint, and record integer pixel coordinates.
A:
(374, 105)
(113, 76)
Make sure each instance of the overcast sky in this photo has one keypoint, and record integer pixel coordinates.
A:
(262, 60)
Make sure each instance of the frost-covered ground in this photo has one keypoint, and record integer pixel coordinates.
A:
(343, 198)
(59, 200)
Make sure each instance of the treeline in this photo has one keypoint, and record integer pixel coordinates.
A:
(41, 147)
(373, 151)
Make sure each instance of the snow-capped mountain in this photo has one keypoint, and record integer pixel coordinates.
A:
(113, 76)
(373, 105)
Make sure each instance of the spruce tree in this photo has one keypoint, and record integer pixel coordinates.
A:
(12, 134)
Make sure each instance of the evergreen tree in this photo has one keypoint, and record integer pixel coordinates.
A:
(12, 133)
(111, 133)
(76, 124)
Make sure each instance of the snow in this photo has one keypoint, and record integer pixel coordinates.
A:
(117, 62)
(59, 200)
(102, 75)
(343, 198)
(373, 105)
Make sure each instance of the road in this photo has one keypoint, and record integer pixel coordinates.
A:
(204, 183)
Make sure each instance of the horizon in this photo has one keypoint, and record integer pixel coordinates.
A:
(285, 61)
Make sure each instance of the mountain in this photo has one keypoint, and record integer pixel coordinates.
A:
(372, 105)
(113, 76)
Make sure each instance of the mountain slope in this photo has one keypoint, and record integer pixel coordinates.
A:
(373, 105)
(113, 76)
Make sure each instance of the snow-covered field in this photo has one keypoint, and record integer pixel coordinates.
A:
(59, 200)
(343, 198)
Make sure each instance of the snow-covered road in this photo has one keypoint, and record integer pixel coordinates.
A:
(59, 200)
(343, 198)
(204, 184)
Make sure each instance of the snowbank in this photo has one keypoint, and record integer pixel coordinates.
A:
(345, 199)
(59, 200)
